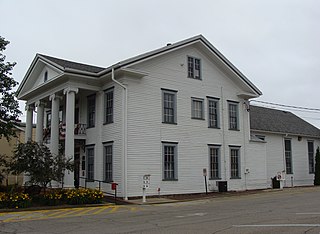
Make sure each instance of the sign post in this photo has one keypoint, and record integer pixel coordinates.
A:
(145, 185)
(204, 171)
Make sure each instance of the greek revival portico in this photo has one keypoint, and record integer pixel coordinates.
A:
(53, 103)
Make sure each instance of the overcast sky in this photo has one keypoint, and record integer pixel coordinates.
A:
(275, 43)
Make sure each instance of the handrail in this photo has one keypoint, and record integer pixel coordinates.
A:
(114, 186)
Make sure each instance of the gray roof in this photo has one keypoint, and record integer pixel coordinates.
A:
(278, 121)
(73, 65)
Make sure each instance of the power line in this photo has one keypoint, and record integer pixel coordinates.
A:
(288, 106)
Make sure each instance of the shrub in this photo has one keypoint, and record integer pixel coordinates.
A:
(83, 196)
(14, 200)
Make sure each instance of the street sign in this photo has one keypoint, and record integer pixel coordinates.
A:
(146, 181)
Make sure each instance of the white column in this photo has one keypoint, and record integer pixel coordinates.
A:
(40, 118)
(29, 123)
(54, 131)
(69, 140)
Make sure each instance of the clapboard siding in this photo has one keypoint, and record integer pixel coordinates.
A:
(146, 130)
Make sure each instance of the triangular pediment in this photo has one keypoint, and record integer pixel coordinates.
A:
(40, 72)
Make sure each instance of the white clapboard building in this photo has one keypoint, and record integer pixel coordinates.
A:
(175, 113)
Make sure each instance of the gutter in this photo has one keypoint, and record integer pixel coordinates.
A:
(125, 134)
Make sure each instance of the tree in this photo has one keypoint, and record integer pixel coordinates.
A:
(317, 168)
(4, 167)
(9, 106)
(37, 162)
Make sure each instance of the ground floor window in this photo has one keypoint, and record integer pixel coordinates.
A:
(90, 163)
(108, 168)
(288, 156)
(214, 161)
(311, 156)
(235, 162)
(170, 161)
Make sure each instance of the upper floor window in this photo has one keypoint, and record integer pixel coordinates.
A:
(194, 68)
(213, 113)
(288, 155)
(169, 106)
(91, 107)
(45, 76)
(108, 103)
(197, 108)
(311, 157)
(233, 115)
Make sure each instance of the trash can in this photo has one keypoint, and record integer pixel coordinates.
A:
(222, 186)
(275, 183)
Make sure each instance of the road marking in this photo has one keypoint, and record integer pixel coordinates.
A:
(100, 210)
(280, 225)
(191, 215)
(86, 211)
(310, 213)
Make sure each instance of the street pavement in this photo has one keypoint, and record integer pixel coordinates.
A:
(294, 210)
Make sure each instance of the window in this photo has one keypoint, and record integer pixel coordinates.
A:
(213, 113)
(311, 157)
(108, 106)
(235, 162)
(214, 160)
(194, 67)
(288, 156)
(48, 119)
(197, 108)
(91, 105)
(233, 116)
(170, 161)
(169, 103)
(108, 163)
(90, 163)
(45, 76)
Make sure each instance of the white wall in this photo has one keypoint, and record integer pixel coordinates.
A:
(146, 130)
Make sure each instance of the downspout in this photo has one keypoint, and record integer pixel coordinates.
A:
(125, 134)
(223, 136)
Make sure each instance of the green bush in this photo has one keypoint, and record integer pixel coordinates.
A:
(14, 200)
(82, 196)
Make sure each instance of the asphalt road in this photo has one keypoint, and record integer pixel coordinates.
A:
(289, 211)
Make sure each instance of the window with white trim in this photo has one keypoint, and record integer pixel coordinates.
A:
(233, 109)
(197, 108)
(214, 161)
(169, 106)
(90, 163)
(311, 157)
(194, 68)
(170, 161)
(288, 155)
(235, 162)
(108, 106)
(108, 164)
(213, 113)
(91, 109)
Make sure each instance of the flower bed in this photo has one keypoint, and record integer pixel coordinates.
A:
(14, 200)
(52, 197)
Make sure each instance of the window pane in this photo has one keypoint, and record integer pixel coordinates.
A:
(169, 106)
(233, 116)
(311, 157)
(90, 163)
(91, 102)
(108, 163)
(288, 156)
(109, 106)
(169, 162)
(213, 113)
(197, 109)
(190, 67)
(235, 163)
(214, 163)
